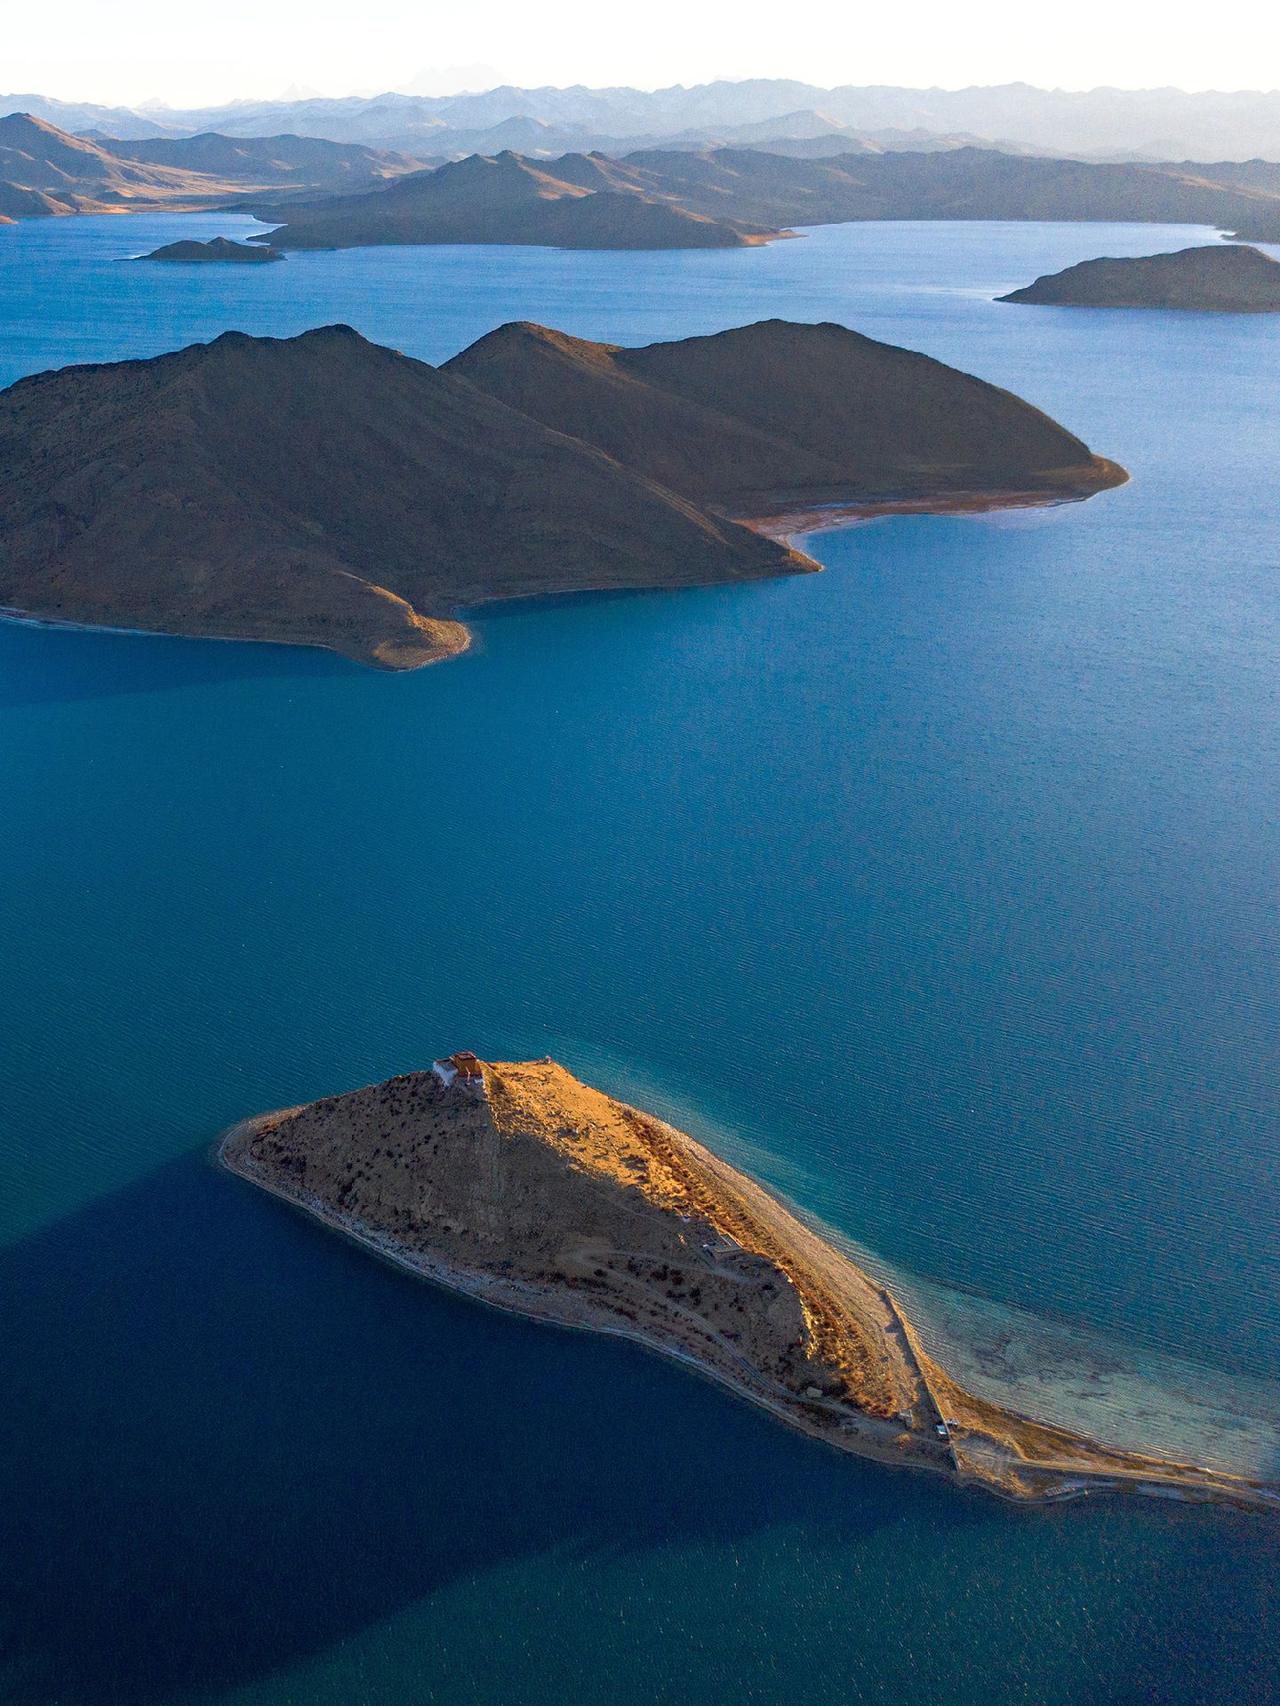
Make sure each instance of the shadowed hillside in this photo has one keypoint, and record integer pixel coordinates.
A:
(322, 490)
(578, 202)
(327, 491)
(779, 412)
(1231, 279)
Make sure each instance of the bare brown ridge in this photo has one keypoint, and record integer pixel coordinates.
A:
(326, 491)
(520, 1186)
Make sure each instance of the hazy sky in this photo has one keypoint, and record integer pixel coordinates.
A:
(192, 51)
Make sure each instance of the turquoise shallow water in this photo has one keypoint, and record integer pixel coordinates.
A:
(939, 889)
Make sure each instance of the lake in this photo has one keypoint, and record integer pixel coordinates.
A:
(938, 890)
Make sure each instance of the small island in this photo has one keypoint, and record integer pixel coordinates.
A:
(518, 1185)
(1229, 278)
(220, 249)
(322, 490)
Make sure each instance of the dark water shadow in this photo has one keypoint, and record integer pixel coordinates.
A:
(51, 666)
(229, 1440)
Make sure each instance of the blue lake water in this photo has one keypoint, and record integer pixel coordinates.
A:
(938, 889)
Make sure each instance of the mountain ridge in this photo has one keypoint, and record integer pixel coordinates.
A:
(46, 171)
(728, 197)
(1160, 124)
(324, 490)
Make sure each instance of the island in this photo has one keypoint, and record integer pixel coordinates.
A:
(216, 249)
(322, 490)
(516, 1184)
(1228, 278)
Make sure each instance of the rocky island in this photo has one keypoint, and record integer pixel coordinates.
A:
(518, 1185)
(1229, 278)
(323, 490)
(216, 249)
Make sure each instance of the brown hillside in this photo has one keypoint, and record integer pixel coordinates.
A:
(43, 170)
(557, 1187)
(593, 204)
(750, 195)
(779, 412)
(324, 490)
(217, 249)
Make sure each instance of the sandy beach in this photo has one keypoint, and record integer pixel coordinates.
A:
(789, 524)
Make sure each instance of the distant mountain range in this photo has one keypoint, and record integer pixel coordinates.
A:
(327, 194)
(44, 170)
(1157, 124)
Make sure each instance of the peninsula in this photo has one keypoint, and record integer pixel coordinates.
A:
(1228, 278)
(583, 201)
(216, 249)
(520, 1186)
(323, 490)
(661, 198)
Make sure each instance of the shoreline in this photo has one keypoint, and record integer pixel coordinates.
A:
(789, 523)
(784, 526)
(18, 618)
(1004, 1453)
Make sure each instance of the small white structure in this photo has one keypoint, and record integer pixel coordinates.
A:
(462, 1068)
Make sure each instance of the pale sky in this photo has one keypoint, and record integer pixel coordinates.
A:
(190, 52)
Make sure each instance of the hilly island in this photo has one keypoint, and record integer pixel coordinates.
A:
(323, 490)
(520, 1186)
(1230, 278)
